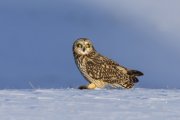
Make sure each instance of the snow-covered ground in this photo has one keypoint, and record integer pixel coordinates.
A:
(74, 104)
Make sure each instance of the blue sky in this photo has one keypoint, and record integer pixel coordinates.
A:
(37, 36)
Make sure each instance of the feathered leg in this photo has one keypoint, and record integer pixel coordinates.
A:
(89, 86)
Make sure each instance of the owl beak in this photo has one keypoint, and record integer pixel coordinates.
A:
(84, 49)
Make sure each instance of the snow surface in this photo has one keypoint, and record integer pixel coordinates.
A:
(74, 104)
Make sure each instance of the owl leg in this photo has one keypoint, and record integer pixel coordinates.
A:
(89, 86)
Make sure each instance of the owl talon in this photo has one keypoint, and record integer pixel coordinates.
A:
(82, 87)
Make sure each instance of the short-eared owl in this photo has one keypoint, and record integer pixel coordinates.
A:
(99, 70)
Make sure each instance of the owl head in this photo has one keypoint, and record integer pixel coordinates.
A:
(83, 46)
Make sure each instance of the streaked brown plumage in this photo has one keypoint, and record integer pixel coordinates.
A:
(99, 70)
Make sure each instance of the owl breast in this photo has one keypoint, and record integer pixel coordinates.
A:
(81, 63)
(84, 68)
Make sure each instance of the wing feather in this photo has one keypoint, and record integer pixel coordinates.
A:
(104, 69)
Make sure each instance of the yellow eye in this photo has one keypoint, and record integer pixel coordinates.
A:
(88, 45)
(79, 45)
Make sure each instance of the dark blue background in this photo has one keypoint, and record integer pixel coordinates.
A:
(36, 40)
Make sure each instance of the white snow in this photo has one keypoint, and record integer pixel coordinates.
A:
(74, 104)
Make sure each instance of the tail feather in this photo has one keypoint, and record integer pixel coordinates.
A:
(134, 73)
(134, 79)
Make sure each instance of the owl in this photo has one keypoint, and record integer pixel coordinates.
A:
(99, 70)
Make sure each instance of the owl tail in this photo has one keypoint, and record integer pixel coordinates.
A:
(133, 74)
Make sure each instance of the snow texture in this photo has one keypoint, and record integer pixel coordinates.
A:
(106, 104)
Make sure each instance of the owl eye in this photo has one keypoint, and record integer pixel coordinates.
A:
(88, 46)
(79, 45)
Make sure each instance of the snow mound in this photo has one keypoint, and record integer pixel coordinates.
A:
(73, 104)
